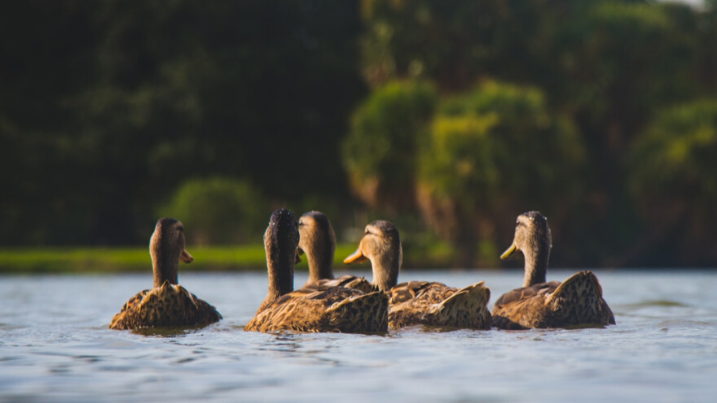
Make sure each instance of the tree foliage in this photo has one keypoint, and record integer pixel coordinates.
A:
(677, 153)
(607, 67)
(491, 152)
(218, 211)
(107, 107)
(381, 149)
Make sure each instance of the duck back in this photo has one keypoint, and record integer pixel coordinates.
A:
(335, 309)
(435, 304)
(575, 302)
(347, 281)
(165, 306)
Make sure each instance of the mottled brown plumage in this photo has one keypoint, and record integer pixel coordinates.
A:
(334, 309)
(436, 304)
(419, 302)
(167, 304)
(318, 243)
(539, 304)
(347, 281)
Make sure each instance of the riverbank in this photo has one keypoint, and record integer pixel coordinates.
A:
(136, 259)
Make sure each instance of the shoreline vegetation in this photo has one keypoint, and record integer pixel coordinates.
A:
(448, 119)
(88, 260)
(243, 258)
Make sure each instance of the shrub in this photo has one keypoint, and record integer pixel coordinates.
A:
(492, 154)
(218, 211)
(672, 169)
(380, 150)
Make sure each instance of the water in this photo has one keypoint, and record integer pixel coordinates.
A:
(55, 346)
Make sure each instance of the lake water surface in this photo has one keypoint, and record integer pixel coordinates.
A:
(55, 346)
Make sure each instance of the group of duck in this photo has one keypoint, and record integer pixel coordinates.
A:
(351, 304)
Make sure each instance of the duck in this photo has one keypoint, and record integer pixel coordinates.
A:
(576, 302)
(318, 242)
(167, 304)
(333, 309)
(418, 302)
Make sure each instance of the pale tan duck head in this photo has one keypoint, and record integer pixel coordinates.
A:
(534, 240)
(281, 240)
(167, 248)
(318, 242)
(381, 244)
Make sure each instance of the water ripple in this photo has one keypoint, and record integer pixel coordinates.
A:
(57, 348)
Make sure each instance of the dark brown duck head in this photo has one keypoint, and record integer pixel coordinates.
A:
(280, 242)
(381, 245)
(318, 242)
(534, 241)
(167, 248)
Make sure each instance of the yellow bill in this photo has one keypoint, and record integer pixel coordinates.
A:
(510, 252)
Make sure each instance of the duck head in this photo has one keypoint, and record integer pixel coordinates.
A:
(534, 241)
(281, 240)
(318, 242)
(381, 245)
(166, 247)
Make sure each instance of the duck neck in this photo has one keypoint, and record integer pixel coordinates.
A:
(385, 270)
(165, 268)
(320, 264)
(281, 276)
(536, 266)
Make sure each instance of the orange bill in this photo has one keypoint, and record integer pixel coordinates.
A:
(356, 257)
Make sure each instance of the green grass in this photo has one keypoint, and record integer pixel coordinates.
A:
(107, 260)
(238, 258)
(103, 260)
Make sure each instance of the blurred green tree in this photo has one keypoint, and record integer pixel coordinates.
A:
(610, 65)
(491, 155)
(380, 150)
(606, 64)
(706, 26)
(218, 211)
(672, 179)
(106, 107)
(444, 41)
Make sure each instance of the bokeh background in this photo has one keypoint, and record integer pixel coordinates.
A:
(447, 117)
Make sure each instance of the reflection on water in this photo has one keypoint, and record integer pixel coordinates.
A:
(658, 303)
(167, 331)
(55, 346)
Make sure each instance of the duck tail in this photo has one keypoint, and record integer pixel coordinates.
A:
(466, 308)
(359, 314)
(581, 294)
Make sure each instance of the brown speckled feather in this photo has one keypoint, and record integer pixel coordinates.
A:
(435, 304)
(166, 306)
(335, 309)
(425, 291)
(526, 292)
(347, 281)
(576, 302)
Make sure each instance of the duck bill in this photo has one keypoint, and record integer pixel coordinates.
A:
(299, 252)
(186, 257)
(356, 257)
(510, 253)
